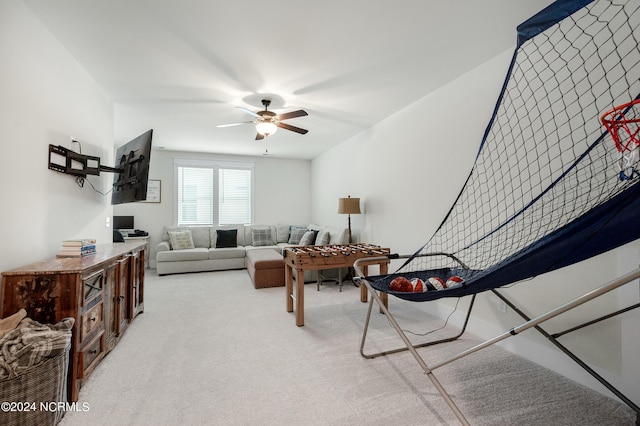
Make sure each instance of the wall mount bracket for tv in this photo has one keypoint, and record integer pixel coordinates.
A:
(77, 164)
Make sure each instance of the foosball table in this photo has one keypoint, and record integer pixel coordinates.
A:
(316, 258)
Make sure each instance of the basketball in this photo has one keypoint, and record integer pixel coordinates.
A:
(454, 280)
(436, 283)
(418, 285)
(401, 284)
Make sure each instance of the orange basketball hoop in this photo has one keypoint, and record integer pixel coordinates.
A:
(622, 123)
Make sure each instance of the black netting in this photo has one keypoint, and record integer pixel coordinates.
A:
(546, 159)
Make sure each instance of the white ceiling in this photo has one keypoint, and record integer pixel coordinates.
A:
(181, 67)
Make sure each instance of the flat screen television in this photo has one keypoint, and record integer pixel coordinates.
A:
(132, 164)
(123, 222)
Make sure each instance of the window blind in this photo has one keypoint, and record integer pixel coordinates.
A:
(234, 201)
(213, 193)
(195, 196)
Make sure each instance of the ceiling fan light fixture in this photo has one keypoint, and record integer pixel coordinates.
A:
(266, 128)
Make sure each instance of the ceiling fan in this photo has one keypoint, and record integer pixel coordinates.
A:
(267, 122)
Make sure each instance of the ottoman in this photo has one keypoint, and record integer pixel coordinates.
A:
(266, 268)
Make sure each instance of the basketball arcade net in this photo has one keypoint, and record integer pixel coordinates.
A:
(545, 159)
(545, 190)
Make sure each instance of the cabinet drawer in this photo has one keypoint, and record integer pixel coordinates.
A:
(91, 321)
(90, 356)
(92, 285)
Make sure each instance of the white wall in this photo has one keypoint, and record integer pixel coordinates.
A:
(281, 192)
(409, 168)
(46, 98)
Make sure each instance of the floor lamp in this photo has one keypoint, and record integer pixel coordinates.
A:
(349, 206)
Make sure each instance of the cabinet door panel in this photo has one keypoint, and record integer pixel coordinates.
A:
(123, 297)
(137, 284)
(110, 303)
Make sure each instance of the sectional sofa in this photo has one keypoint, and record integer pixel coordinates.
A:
(198, 249)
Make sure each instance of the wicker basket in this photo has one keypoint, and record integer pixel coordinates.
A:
(45, 383)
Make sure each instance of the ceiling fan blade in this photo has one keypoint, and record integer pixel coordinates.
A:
(292, 114)
(292, 128)
(248, 111)
(259, 136)
(234, 124)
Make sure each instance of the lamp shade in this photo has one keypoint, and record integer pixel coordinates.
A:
(266, 128)
(349, 205)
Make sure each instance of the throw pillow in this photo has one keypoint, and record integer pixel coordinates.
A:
(226, 238)
(296, 234)
(323, 238)
(282, 232)
(308, 238)
(181, 240)
(261, 237)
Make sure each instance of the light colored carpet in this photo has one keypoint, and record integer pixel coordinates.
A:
(212, 350)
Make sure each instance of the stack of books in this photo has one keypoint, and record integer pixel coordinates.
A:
(78, 248)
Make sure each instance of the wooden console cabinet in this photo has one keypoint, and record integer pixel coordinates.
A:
(103, 292)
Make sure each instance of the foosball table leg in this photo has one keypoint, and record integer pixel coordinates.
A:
(299, 297)
(288, 280)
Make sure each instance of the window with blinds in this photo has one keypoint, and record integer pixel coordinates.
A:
(213, 193)
(234, 201)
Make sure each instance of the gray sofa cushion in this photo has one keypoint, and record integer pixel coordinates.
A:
(198, 253)
(201, 236)
(282, 233)
(227, 253)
